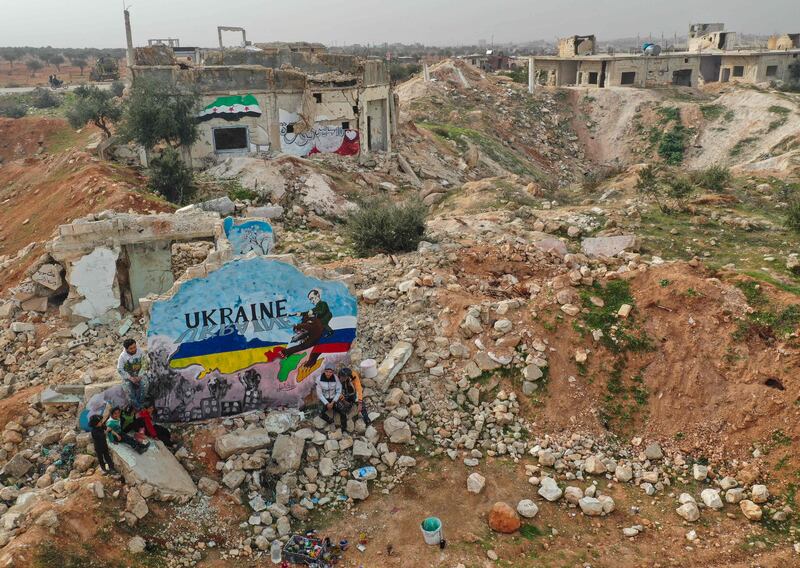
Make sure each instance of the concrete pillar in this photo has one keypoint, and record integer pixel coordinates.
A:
(531, 75)
(426, 73)
(128, 39)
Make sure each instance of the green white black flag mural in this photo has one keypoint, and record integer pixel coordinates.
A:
(231, 108)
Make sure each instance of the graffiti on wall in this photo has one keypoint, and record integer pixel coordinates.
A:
(249, 236)
(231, 108)
(320, 139)
(253, 334)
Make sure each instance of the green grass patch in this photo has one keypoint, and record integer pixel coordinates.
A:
(739, 147)
(753, 292)
(530, 532)
(712, 112)
(504, 155)
(672, 145)
(618, 335)
(775, 109)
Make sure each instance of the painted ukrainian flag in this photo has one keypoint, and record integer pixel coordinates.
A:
(231, 108)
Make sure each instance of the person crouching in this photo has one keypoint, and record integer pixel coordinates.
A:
(329, 392)
(353, 392)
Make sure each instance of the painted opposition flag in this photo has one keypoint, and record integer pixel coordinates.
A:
(231, 108)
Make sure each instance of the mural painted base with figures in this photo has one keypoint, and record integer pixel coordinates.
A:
(253, 334)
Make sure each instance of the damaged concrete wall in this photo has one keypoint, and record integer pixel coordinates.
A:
(93, 279)
(112, 259)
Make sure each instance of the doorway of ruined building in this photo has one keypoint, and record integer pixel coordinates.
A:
(682, 78)
(602, 82)
(143, 269)
(376, 125)
(726, 75)
(709, 68)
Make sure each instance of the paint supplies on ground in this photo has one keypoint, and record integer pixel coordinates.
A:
(312, 551)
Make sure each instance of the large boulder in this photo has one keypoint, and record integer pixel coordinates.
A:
(357, 490)
(399, 432)
(475, 483)
(503, 518)
(241, 441)
(607, 246)
(156, 467)
(287, 453)
(527, 508)
(17, 466)
(549, 489)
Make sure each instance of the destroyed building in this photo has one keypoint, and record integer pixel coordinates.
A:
(285, 98)
(710, 58)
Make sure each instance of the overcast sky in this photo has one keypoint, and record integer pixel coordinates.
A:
(99, 23)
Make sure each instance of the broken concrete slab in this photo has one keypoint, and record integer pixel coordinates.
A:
(392, 364)
(17, 466)
(49, 276)
(157, 467)
(551, 245)
(265, 212)
(280, 421)
(241, 441)
(222, 205)
(608, 246)
(53, 397)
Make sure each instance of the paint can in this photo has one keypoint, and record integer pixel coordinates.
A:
(432, 530)
(369, 368)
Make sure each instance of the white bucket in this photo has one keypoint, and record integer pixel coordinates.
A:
(369, 368)
(431, 530)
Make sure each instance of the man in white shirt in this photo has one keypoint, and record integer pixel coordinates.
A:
(130, 365)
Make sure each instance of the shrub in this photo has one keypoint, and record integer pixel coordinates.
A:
(715, 178)
(383, 226)
(673, 145)
(10, 108)
(171, 177)
(679, 188)
(117, 87)
(792, 220)
(44, 98)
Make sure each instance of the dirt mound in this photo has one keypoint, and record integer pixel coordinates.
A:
(26, 136)
(40, 193)
(700, 384)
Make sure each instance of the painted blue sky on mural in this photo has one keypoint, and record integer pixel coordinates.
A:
(246, 288)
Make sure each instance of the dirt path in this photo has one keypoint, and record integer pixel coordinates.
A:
(562, 535)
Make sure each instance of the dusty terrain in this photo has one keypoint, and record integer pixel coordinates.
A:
(706, 365)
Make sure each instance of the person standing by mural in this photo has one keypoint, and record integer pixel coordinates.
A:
(130, 366)
(329, 392)
(98, 430)
(353, 392)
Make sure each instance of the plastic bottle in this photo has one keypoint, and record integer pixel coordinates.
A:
(275, 552)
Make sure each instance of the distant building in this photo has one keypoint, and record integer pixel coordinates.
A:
(287, 98)
(491, 61)
(710, 58)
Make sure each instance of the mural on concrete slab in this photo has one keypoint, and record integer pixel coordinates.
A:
(249, 236)
(231, 108)
(253, 334)
(321, 139)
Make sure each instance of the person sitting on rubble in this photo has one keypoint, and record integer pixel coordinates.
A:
(116, 435)
(130, 365)
(100, 441)
(155, 431)
(329, 392)
(353, 392)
